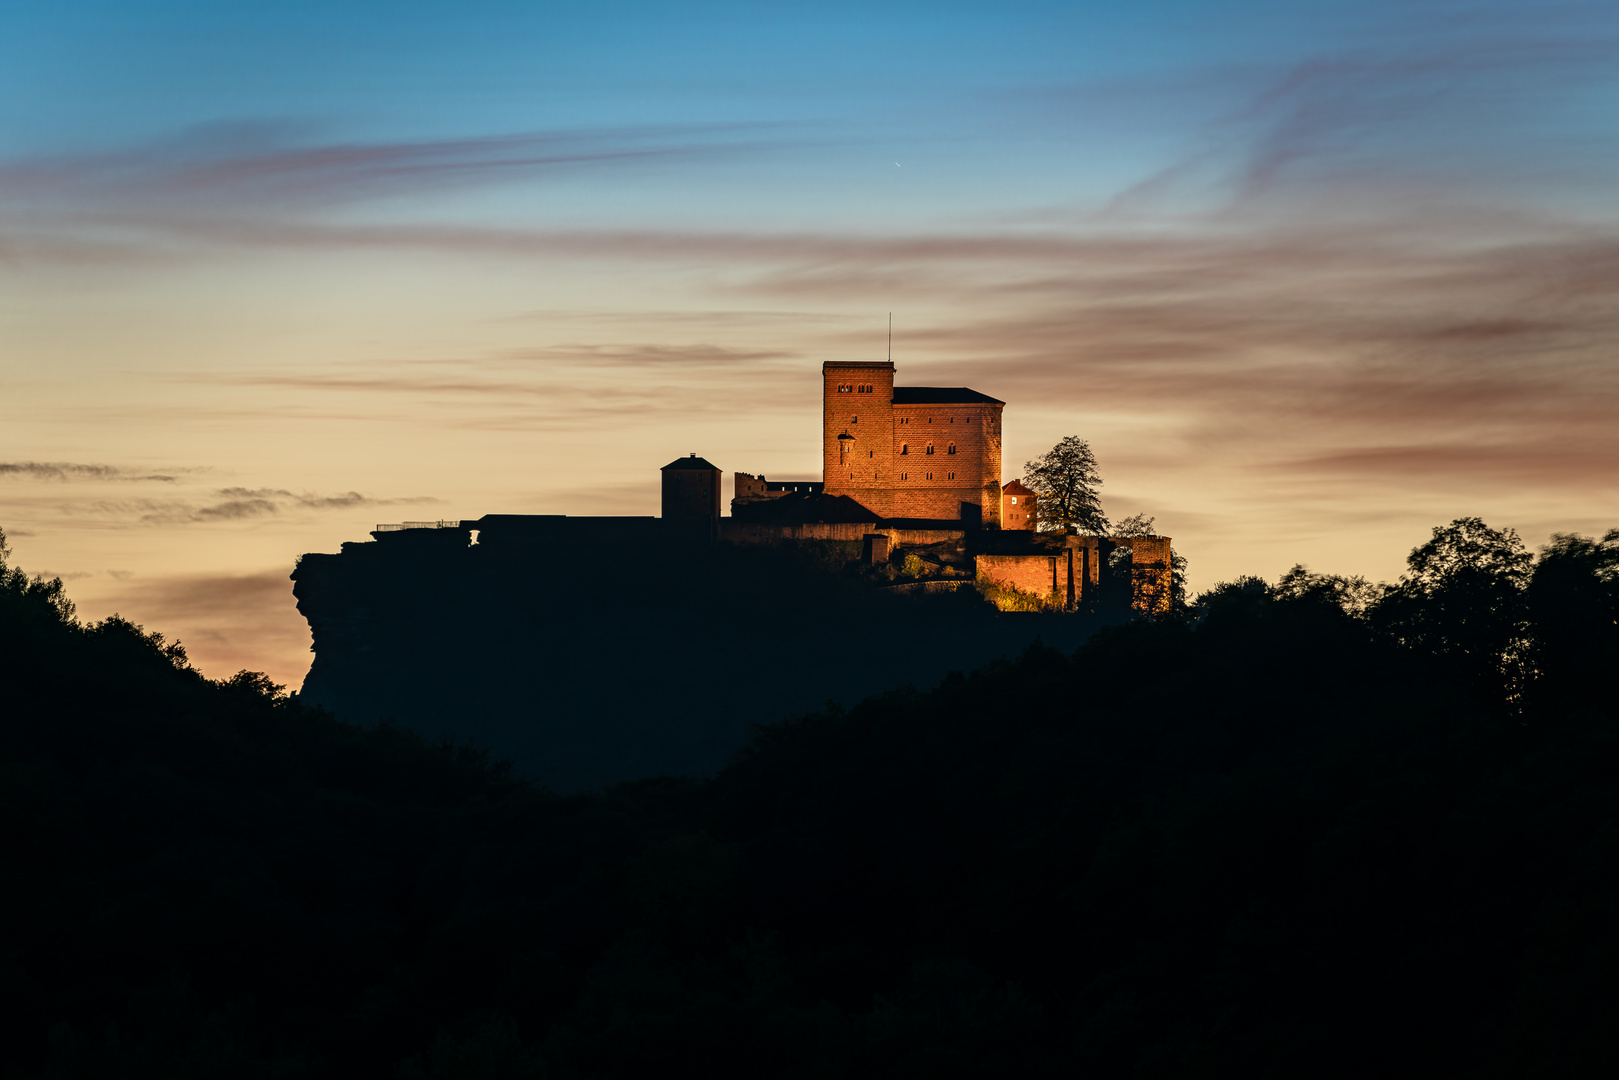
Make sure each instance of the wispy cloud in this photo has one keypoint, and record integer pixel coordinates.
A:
(228, 504)
(264, 166)
(64, 470)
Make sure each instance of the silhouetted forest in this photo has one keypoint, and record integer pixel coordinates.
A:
(1307, 828)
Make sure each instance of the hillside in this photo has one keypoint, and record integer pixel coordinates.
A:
(1310, 829)
(596, 654)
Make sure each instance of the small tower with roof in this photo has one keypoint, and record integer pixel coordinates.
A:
(691, 490)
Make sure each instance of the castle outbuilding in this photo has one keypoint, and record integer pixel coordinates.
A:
(1020, 507)
(691, 489)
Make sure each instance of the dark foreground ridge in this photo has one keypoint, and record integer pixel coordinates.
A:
(598, 650)
(1312, 830)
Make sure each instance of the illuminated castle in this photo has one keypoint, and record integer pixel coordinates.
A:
(897, 453)
(931, 452)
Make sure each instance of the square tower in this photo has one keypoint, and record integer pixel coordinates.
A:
(691, 489)
(857, 432)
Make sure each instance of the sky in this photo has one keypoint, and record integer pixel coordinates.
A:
(1311, 278)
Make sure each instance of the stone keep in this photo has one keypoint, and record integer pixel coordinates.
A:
(918, 452)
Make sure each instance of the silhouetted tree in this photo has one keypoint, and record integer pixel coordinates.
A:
(1461, 602)
(1178, 604)
(36, 595)
(1134, 525)
(1573, 608)
(1067, 481)
(1354, 596)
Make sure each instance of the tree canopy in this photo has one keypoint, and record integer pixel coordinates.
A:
(1068, 483)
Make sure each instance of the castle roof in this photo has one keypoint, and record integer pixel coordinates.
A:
(803, 507)
(941, 395)
(690, 464)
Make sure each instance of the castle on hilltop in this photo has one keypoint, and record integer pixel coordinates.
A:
(567, 643)
(910, 478)
(918, 467)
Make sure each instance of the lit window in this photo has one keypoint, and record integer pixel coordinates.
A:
(1014, 500)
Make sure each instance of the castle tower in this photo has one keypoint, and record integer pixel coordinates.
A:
(857, 432)
(691, 489)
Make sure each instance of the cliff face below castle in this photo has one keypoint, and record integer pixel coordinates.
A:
(592, 654)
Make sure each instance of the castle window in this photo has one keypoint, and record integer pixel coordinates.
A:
(904, 448)
(950, 476)
(930, 448)
(845, 388)
(871, 453)
(930, 476)
(1014, 500)
(854, 419)
(904, 476)
(951, 449)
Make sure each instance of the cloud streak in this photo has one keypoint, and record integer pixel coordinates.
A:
(260, 166)
(230, 504)
(62, 471)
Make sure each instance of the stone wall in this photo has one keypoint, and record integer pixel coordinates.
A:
(1150, 572)
(740, 532)
(1041, 575)
(964, 484)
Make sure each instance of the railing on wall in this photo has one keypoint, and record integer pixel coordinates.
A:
(418, 525)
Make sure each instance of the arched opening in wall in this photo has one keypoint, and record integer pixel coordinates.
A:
(904, 448)
(930, 448)
(472, 538)
(951, 449)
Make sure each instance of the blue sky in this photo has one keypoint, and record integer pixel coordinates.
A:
(1310, 277)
